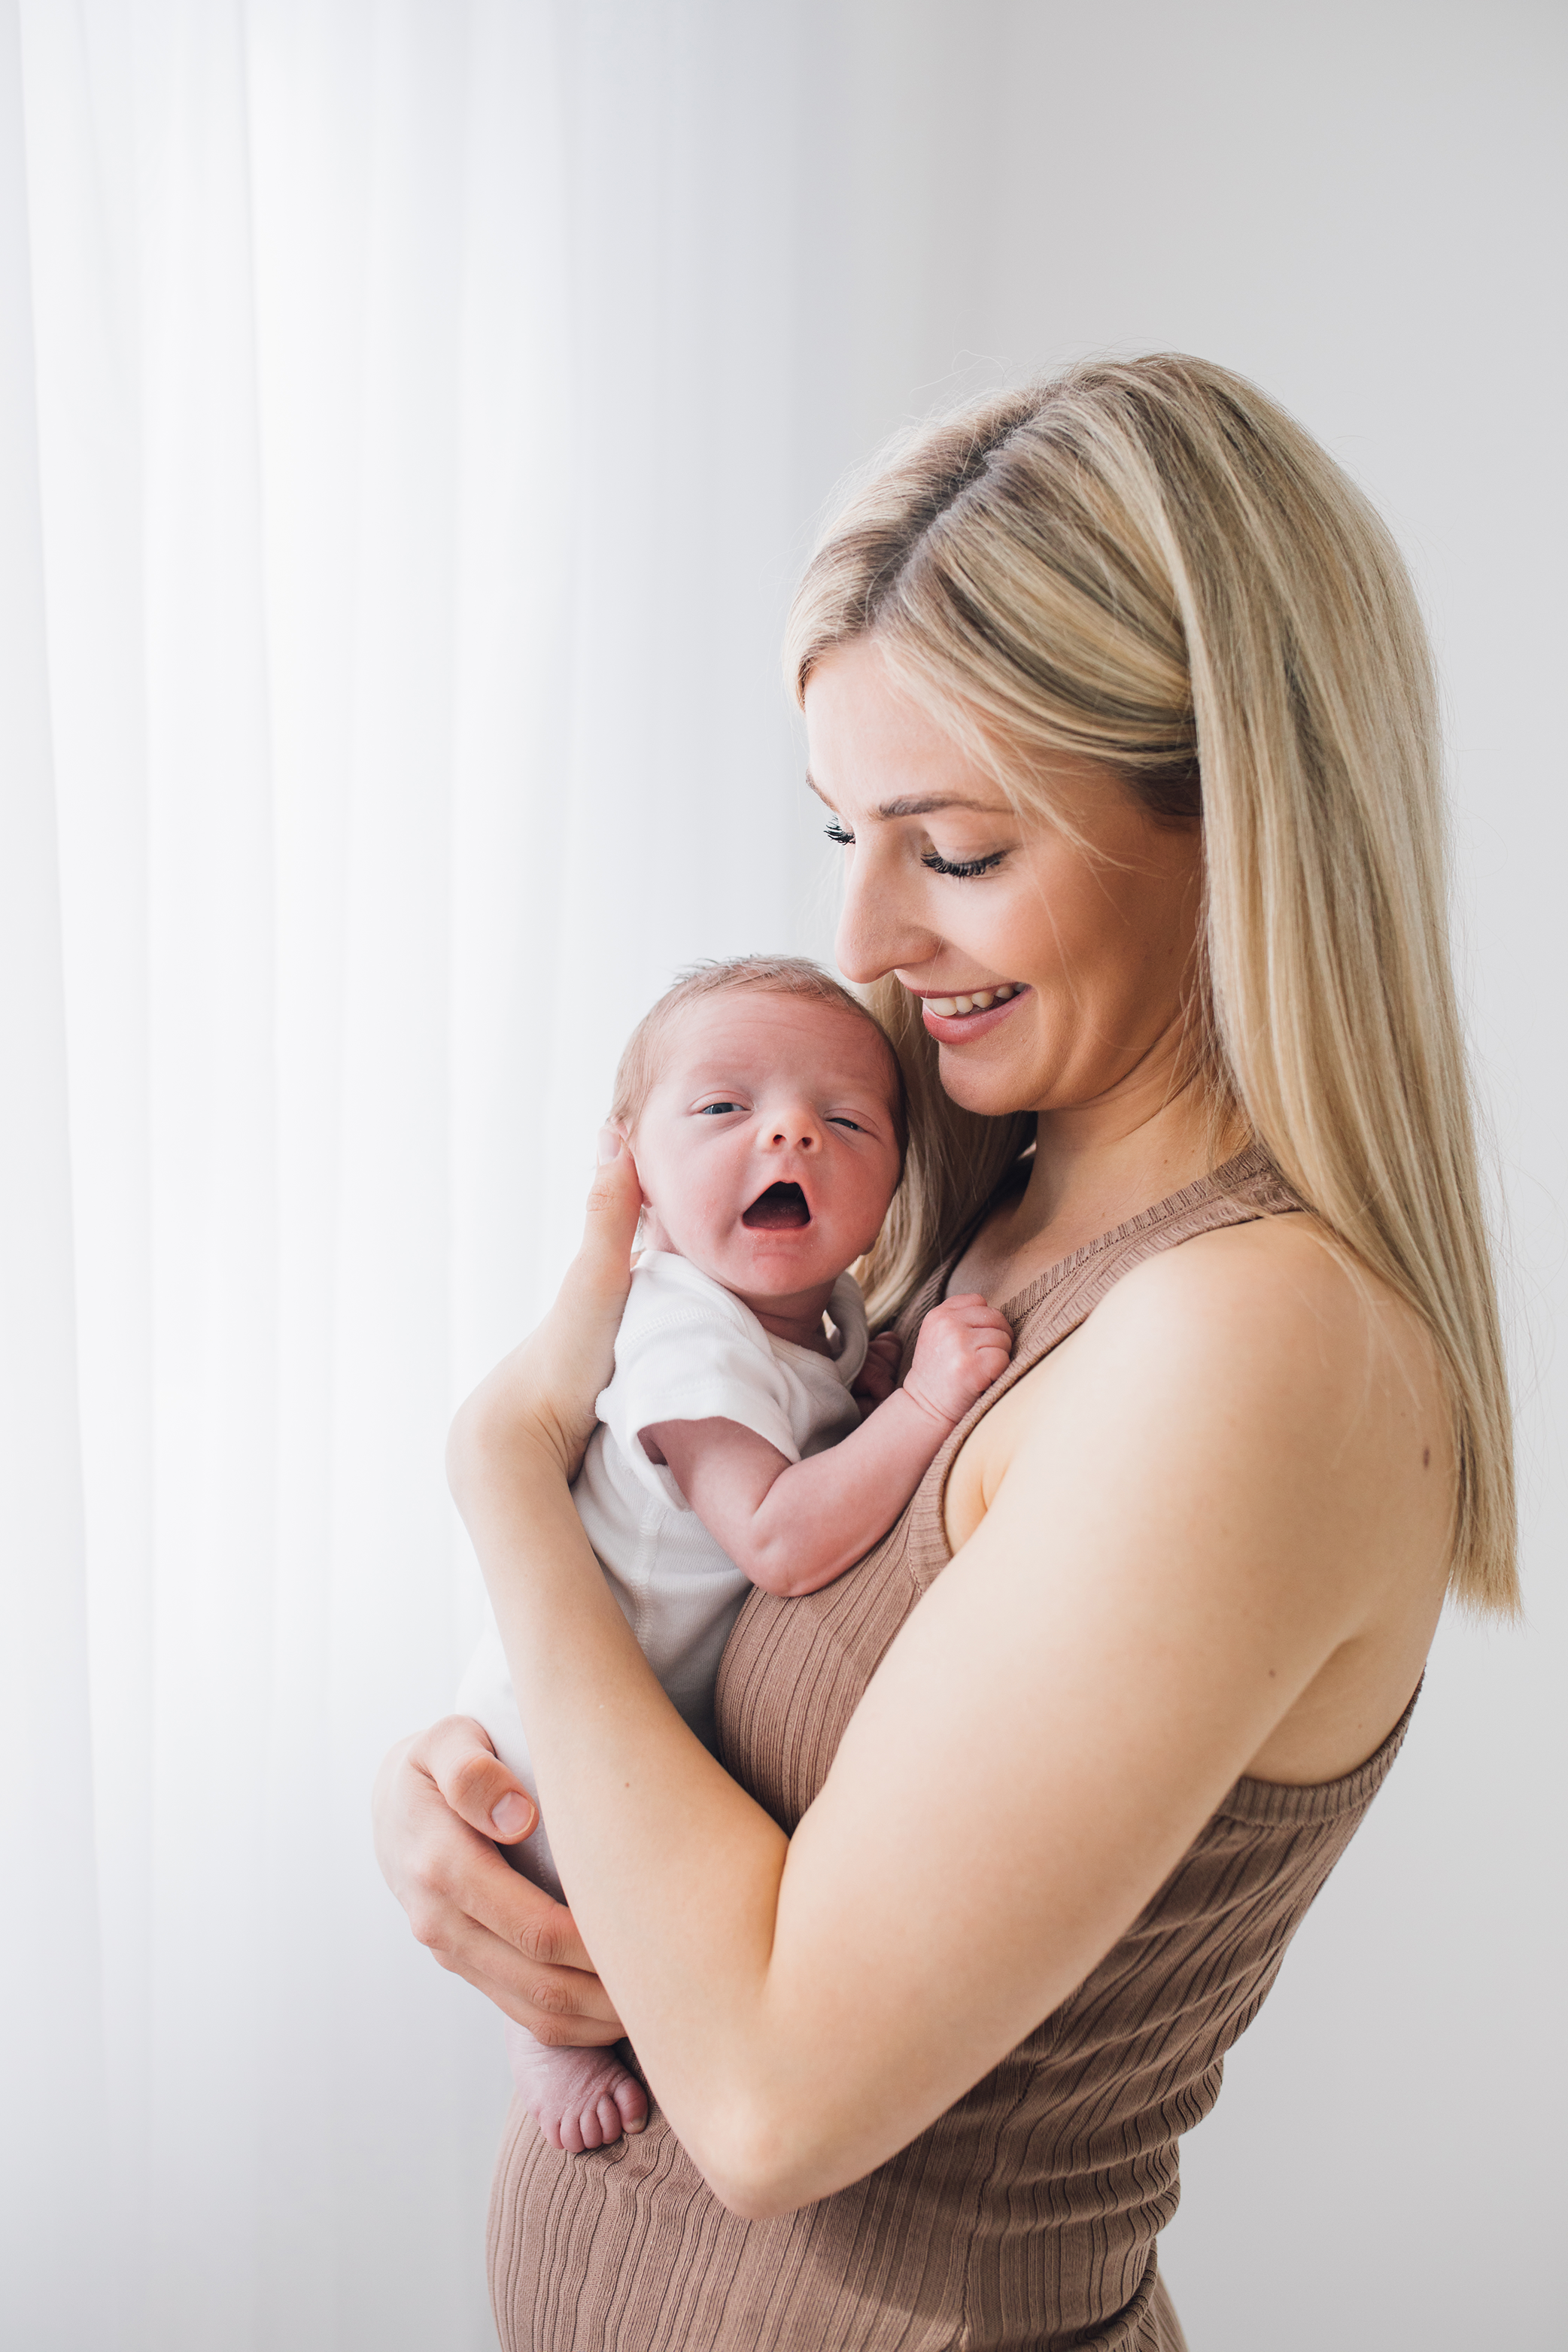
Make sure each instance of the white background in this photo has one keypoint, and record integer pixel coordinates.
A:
(414, 415)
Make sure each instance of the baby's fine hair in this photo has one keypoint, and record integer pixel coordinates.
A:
(776, 975)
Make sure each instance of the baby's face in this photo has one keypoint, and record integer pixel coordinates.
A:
(768, 1148)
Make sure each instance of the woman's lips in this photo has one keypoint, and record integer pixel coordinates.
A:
(958, 1028)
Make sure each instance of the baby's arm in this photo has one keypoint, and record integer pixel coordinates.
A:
(793, 1527)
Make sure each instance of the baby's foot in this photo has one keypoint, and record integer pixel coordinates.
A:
(579, 2098)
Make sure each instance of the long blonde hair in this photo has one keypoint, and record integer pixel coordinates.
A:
(1149, 563)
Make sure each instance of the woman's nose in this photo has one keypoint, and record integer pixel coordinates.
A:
(879, 926)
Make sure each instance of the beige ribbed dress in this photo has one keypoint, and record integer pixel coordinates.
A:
(1026, 2216)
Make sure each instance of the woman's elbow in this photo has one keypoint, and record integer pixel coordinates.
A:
(752, 2167)
(752, 2200)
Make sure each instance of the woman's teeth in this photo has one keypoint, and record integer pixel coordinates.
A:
(946, 1007)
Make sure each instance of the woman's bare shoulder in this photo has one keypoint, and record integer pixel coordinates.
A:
(1259, 1388)
(1275, 1282)
(1274, 1309)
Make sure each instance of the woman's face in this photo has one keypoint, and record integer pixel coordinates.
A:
(1085, 953)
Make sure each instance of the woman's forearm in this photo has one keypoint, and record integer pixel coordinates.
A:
(672, 1872)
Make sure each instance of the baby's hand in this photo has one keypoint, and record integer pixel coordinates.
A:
(878, 1375)
(964, 1346)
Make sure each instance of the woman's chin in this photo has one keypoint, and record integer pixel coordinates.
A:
(994, 1093)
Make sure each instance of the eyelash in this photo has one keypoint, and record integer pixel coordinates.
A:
(713, 1109)
(966, 869)
(960, 869)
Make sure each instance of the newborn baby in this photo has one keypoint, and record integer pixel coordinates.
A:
(765, 1111)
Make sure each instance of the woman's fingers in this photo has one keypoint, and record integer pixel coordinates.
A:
(519, 1945)
(478, 1917)
(615, 1204)
(572, 1354)
(581, 1326)
(506, 1953)
(474, 1781)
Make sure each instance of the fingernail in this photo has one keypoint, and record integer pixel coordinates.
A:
(608, 1146)
(512, 1815)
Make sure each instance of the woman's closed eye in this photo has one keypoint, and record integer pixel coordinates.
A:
(962, 869)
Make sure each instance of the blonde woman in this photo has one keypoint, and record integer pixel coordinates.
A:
(1118, 702)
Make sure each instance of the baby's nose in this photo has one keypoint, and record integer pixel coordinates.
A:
(800, 1129)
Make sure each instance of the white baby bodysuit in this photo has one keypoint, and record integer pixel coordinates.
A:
(686, 1350)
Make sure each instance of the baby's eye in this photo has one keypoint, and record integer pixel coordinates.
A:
(713, 1110)
(835, 832)
(842, 1118)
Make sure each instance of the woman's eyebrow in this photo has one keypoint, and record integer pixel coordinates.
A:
(923, 804)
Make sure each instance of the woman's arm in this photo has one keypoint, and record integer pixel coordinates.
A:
(443, 1798)
(1223, 1493)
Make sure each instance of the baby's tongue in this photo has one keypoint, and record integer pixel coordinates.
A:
(781, 1205)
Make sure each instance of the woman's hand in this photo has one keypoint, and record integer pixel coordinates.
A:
(543, 1394)
(442, 1802)
(878, 1375)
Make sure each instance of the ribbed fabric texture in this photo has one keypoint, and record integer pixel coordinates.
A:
(1025, 2218)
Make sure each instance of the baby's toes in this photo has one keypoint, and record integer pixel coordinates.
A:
(582, 2099)
(587, 2130)
(591, 2122)
(631, 2102)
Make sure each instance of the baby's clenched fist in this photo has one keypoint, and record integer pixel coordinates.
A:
(964, 1346)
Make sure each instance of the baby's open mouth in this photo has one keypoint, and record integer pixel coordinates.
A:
(780, 1206)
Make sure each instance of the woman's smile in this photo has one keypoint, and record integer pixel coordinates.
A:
(960, 1018)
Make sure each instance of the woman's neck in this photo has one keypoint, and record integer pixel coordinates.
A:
(1094, 1167)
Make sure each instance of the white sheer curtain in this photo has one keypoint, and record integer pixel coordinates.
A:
(412, 413)
(391, 643)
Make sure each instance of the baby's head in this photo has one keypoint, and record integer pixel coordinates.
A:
(765, 1109)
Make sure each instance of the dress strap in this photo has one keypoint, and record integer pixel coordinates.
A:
(1052, 1307)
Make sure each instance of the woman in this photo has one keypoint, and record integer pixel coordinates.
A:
(1116, 694)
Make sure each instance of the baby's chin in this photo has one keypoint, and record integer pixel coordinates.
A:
(764, 1266)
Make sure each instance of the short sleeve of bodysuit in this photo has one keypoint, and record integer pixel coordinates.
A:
(688, 1350)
